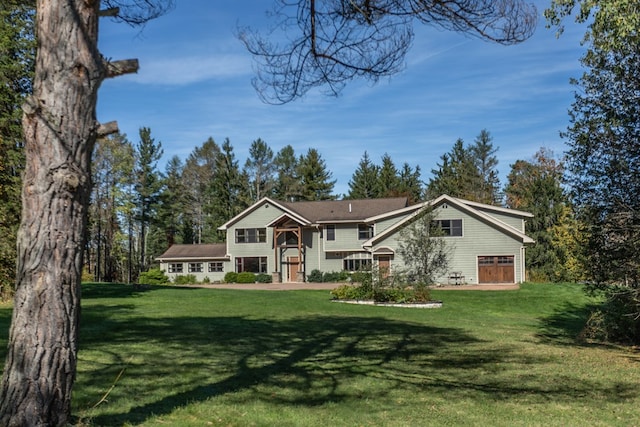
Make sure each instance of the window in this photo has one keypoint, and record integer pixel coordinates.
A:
(175, 268)
(195, 267)
(365, 231)
(251, 264)
(356, 264)
(215, 267)
(251, 235)
(331, 232)
(450, 227)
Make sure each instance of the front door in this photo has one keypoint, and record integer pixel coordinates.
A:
(293, 266)
(496, 269)
(384, 265)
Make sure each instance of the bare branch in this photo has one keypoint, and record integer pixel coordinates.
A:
(337, 41)
(108, 128)
(118, 68)
(139, 12)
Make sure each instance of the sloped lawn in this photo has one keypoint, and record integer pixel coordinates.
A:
(195, 357)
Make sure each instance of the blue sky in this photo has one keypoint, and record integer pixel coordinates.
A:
(195, 82)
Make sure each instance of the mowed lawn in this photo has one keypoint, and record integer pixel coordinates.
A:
(196, 357)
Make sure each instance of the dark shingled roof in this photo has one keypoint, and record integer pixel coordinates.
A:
(345, 210)
(213, 250)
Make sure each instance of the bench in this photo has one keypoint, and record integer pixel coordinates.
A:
(456, 277)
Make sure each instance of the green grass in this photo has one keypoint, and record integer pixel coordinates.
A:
(197, 357)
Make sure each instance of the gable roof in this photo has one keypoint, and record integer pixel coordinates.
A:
(202, 251)
(472, 208)
(327, 211)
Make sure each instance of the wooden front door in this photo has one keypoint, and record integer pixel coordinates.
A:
(384, 265)
(293, 266)
(496, 269)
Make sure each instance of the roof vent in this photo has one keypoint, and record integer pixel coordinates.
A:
(349, 207)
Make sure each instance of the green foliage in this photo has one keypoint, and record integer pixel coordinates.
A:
(468, 172)
(231, 277)
(154, 276)
(315, 178)
(335, 276)
(315, 276)
(617, 318)
(426, 255)
(376, 286)
(263, 278)
(349, 292)
(187, 279)
(246, 277)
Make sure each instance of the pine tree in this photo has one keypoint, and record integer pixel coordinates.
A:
(229, 189)
(287, 185)
(315, 178)
(387, 178)
(364, 182)
(487, 190)
(148, 187)
(410, 183)
(456, 175)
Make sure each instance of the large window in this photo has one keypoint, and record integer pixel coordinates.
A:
(215, 267)
(450, 227)
(365, 231)
(195, 267)
(175, 267)
(331, 232)
(357, 264)
(251, 235)
(251, 264)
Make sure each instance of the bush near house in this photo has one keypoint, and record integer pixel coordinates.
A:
(154, 276)
(188, 279)
(263, 278)
(246, 277)
(231, 277)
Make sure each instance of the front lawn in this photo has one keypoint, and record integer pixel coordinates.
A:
(196, 357)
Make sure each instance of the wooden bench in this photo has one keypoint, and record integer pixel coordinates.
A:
(456, 277)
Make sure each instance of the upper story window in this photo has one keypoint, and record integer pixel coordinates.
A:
(331, 232)
(450, 227)
(251, 235)
(365, 231)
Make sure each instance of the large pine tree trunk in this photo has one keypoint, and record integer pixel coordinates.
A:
(60, 130)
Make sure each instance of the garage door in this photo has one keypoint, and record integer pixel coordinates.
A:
(496, 269)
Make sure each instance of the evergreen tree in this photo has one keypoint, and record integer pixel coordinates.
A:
(229, 189)
(487, 190)
(388, 181)
(197, 177)
(410, 183)
(260, 169)
(315, 178)
(287, 186)
(456, 174)
(17, 51)
(364, 182)
(148, 187)
(171, 209)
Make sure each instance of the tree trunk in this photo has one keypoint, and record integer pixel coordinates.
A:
(60, 130)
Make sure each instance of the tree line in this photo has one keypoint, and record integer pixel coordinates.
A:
(138, 211)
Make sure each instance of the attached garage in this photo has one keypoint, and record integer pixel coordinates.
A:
(496, 269)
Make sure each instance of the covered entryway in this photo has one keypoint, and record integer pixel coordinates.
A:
(496, 269)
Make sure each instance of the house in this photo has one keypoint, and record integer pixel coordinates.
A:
(289, 240)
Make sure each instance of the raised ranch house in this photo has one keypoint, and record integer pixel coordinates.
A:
(290, 240)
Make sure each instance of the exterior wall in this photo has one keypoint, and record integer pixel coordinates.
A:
(257, 219)
(205, 274)
(513, 220)
(478, 239)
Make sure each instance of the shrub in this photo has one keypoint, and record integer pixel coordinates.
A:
(263, 278)
(154, 276)
(315, 276)
(339, 276)
(231, 277)
(185, 280)
(246, 277)
(206, 279)
(349, 292)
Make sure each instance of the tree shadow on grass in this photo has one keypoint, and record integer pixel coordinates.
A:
(566, 324)
(304, 361)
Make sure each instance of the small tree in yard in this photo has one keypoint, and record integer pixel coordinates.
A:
(425, 253)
